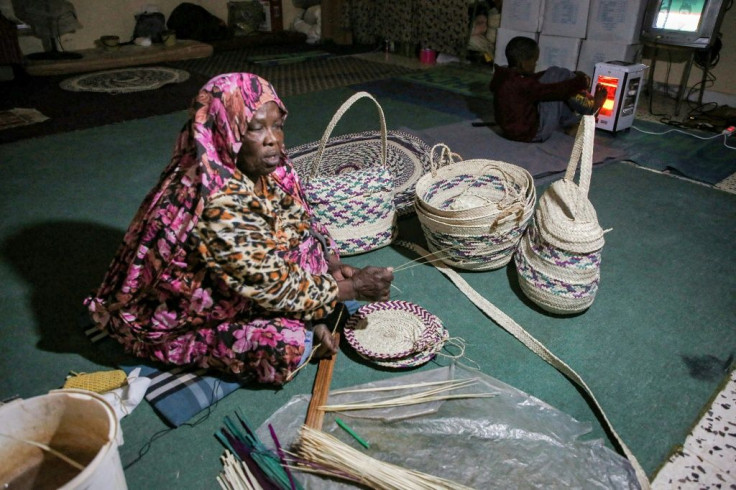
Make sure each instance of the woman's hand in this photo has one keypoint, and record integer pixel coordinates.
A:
(369, 283)
(338, 270)
(323, 341)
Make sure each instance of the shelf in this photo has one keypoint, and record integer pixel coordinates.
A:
(122, 56)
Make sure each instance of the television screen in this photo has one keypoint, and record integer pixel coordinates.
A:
(680, 15)
(691, 23)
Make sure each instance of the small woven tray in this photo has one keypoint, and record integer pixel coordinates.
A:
(393, 331)
(416, 359)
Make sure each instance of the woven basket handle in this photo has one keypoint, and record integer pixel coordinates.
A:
(336, 118)
(445, 155)
(582, 152)
(508, 324)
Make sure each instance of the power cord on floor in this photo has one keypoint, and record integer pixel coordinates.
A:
(726, 133)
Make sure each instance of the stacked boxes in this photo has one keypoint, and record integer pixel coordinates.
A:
(574, 34)
(593, 52)
(613, 33)
(518, 18)
(616, 20)
(522, 15)
(565, 18)
(558, 51)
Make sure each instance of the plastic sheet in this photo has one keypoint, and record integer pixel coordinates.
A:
(509, 440)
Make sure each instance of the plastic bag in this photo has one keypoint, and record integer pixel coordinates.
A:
(511, 440)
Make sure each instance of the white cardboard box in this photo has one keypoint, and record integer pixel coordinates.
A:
(558, 51)
(567, 18)
(592, 52)
(503, 36)
(616, 20)
(522, 15)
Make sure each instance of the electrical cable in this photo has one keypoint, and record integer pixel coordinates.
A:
(726, 133)
(157, 435)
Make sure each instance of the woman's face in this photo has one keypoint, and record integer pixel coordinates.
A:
(263, 142)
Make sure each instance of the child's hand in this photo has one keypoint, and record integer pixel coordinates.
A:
(600, 95)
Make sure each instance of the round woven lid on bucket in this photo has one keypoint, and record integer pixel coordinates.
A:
(397, 331)
(567, 219)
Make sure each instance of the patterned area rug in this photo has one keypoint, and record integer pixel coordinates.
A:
(706, 459)
(125, 80)
(311, 75)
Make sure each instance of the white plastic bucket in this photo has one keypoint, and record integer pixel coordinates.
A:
(78, 424)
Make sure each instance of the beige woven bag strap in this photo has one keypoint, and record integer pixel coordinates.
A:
(582, 153)
(336, 118)
(508, 324)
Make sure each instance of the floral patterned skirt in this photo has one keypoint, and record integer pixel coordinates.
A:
(252, 345)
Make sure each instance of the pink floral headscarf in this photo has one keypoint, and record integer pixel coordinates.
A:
(204, 158)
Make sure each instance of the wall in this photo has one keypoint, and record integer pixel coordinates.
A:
(99, 18)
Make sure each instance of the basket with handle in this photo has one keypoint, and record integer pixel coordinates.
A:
(357, 207)
(558, 260)
(407, 158)
(474, 212)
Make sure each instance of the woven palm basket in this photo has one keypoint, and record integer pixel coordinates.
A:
(559, 259)
(474, 212)
(395, 334)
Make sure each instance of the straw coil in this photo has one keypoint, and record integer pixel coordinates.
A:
(474, 210)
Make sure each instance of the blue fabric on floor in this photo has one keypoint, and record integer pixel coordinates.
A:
(540, 159)
(682, 151)
(178, 394)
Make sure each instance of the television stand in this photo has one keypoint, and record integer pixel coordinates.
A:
(685, 73)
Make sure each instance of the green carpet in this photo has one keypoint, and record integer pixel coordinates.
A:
(653, 347)
(461, 79)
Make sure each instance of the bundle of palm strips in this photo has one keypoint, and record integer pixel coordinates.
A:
(318, 452)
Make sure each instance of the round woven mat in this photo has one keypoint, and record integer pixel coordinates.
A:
(397, 332)
(124, 80)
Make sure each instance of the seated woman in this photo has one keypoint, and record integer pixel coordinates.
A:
(222, 267)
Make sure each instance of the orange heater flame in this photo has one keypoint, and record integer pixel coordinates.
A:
(610, 84)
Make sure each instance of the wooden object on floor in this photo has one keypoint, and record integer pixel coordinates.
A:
(128, 55)
(321, 389)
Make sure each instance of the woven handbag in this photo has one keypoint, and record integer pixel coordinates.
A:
(474, 212)
(407, 158)
(356, 207)
(558, 259)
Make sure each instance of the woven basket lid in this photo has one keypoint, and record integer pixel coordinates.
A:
(567, 219)
(393, 331)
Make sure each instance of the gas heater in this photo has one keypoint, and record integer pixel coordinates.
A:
(623, 82)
